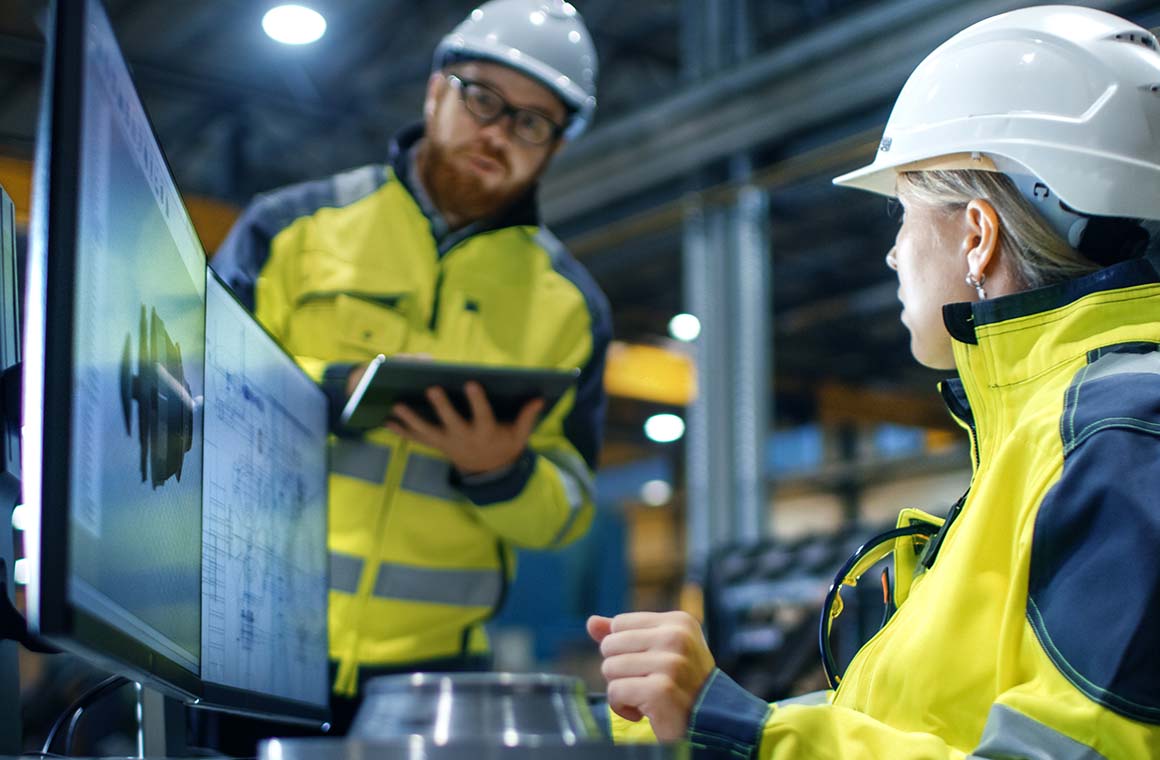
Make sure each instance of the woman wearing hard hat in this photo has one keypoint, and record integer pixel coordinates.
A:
(1025, 152)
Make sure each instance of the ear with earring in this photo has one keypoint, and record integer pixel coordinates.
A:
(977, 284)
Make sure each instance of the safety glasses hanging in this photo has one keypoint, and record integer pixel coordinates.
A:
(868, 554)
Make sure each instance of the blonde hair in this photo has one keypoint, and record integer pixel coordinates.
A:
(1040, 256)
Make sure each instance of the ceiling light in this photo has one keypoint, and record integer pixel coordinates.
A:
(294, 24)
(656, 493)
(664, 428)
(685, 327)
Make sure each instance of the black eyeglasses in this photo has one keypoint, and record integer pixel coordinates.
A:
(867, 555)
(487, 106)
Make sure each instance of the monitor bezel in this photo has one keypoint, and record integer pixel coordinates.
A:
(48, 375)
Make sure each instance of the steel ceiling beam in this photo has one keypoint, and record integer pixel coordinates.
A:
(850, 66)
(165, 81)
(670, 214)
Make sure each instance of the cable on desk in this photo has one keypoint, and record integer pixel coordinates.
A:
(72, 713)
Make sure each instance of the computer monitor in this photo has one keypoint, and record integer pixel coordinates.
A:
(264, 562)
(114, 343)
(118, 472)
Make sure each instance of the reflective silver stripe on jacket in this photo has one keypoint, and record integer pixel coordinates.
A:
(359, 459)
(430, 477)
(465, 588)
(458, 587)
(367, 461)
(810, 699)
(577, 483)
(357, 184)
(345, 571)
(1011, 734)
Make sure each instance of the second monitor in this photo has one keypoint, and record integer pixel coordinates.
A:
(264, 589)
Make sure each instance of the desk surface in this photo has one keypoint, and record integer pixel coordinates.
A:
(353, 749)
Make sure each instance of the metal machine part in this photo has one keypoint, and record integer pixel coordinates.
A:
(471, 716)
(500, 709)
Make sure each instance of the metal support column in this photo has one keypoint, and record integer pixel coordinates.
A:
(706, 448)
(751, 337)
(750, 286)
(726, 285)
(716, 374)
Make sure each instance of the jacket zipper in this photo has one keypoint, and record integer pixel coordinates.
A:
(964, 415)
(346, 680)
(433, 322)
(930, 551)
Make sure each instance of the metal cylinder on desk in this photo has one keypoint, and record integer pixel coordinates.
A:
(471, 716)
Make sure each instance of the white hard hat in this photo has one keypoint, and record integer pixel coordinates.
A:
(544, 39)
(1068, 95)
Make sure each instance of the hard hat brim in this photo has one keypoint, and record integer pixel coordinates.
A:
(879, 179)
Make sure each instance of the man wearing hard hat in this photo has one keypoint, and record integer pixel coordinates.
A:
(441, 253)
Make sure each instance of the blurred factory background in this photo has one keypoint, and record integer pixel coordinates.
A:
(797, 423)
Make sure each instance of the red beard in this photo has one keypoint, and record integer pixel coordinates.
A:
(459, 192)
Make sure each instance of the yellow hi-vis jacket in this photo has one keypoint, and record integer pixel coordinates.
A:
(1035, 632)
(359, 264)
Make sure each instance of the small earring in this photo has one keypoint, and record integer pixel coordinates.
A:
(977, 284)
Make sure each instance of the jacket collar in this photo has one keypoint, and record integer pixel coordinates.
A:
(1007, 348)
(1003, 341)
(524, 211)
(962, 319)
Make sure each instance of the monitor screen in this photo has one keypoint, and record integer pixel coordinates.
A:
(10, 321)
(113, 372)
(264, 589)
(175, 457)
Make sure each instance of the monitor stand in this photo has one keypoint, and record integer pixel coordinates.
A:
(161, 725)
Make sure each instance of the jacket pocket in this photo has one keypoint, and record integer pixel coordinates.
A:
(348, 326)
(468, 326)
(366, 326)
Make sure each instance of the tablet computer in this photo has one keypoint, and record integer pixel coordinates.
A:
(405, 381)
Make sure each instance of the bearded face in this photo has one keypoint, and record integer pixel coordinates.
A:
(471, 181)
(474, 170)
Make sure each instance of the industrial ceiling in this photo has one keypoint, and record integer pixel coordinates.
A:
(697, 99)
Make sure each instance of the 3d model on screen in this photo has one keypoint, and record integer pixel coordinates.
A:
(164, 400)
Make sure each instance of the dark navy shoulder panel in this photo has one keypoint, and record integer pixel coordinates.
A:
(246, 249)
(584, 426)
(1119, 388)
(1094, 583)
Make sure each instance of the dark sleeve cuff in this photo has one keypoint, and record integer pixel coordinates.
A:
(727, 720)
(598, 703)
(333, 384)
(501, 489)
